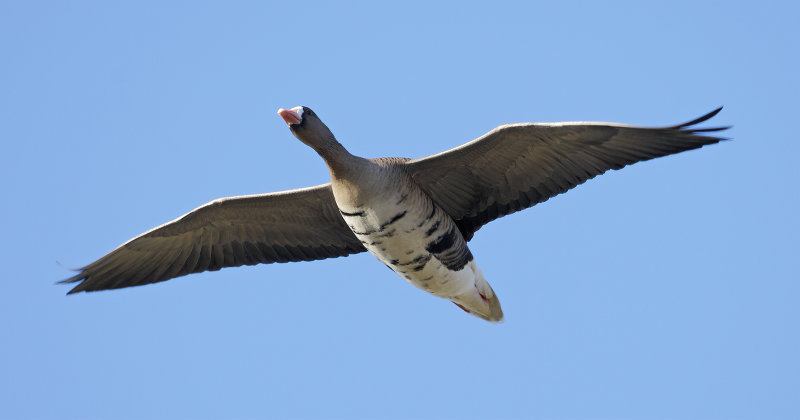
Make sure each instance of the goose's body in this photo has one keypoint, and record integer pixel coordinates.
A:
(415, 216)
(399, 224)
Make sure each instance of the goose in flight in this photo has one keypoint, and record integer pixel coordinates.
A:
(415, 215)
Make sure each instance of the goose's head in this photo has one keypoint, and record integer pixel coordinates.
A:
(308, 128)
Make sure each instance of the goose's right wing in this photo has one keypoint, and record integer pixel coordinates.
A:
(296, 225)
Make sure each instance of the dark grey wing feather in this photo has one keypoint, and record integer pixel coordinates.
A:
(516, 166)
(297, 225)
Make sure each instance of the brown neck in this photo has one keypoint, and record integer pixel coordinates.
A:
(342, 164)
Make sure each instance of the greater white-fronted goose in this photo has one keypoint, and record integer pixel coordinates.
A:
(415, 215)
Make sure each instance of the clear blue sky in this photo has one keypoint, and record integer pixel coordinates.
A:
(667, 290)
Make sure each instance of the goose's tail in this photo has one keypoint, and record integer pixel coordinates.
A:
(480, 300)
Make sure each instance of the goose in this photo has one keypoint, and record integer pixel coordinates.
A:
(415, 215)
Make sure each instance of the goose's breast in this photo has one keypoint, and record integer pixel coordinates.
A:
(408, 232)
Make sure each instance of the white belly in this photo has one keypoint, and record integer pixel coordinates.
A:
(397, 229)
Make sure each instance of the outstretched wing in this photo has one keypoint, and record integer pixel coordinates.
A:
(516, 166)
(297, 225)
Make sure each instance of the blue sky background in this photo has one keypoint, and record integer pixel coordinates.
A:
(667, 290)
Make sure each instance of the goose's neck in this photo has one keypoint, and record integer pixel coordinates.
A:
(340, 162)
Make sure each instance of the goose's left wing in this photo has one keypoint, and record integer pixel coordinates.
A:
(516, 166)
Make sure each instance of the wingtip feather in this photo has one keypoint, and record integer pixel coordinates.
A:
(696, 121)
(79, 277)
(74, 290)
(710, 130)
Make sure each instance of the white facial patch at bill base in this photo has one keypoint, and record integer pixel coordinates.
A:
(298, 110)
